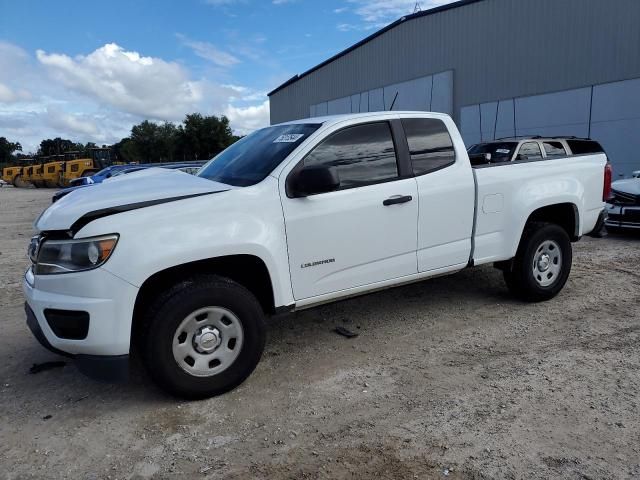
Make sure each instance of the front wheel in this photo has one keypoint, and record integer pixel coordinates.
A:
(203, 337)
(542, 264)
(19, 182)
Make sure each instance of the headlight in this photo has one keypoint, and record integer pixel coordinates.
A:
(66, 256)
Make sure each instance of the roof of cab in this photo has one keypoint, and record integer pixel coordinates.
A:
(331, 119)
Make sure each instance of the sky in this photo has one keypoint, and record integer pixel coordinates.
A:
(88, 70)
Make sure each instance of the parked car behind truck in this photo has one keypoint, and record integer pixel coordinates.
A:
(185, 269)
(531, 148)
(623, 208)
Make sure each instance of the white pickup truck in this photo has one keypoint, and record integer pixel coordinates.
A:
(184, 269)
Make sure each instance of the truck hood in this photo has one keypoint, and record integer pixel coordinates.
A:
(127, 192)
(630, 185)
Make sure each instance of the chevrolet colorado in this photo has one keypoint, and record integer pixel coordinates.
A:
(184, 269)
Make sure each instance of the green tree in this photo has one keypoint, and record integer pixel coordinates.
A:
(55, 146)
(7, 148)
(145, 141)
(167, 142)
(124, 151)
(202, 137)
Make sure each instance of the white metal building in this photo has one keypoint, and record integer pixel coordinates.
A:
(498, 67)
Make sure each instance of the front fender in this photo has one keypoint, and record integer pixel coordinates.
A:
(244, 221)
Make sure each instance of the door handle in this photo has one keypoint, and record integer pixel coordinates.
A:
(396, 200)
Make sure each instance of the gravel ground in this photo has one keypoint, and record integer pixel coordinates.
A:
(448, 378)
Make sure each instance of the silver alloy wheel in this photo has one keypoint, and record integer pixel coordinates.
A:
(547, 263)
(208, 341)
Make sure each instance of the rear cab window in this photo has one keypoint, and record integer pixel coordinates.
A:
(430, 145)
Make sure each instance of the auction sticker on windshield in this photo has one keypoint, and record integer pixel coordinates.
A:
(502, 150)
(289, 138)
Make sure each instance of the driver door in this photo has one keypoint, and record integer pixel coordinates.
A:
(355, 235)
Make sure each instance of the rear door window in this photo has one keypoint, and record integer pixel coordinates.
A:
(430, 145)
(554, 149)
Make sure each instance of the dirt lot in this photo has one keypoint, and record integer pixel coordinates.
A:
(448, 378)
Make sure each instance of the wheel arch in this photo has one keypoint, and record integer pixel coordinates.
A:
(249, 271)
(566, 215)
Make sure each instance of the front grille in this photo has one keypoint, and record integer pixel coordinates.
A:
(623, 198)
(630, 216)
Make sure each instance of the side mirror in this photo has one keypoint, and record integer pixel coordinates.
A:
(315, 179)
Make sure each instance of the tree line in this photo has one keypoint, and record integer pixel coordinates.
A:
(198, 137)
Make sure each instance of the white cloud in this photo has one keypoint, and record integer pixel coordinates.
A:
(75, 123)
(7, 95)
(126, 80)
(247, 119)
(376, 13)
(98, 96)
(208, 51)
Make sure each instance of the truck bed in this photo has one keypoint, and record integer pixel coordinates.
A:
(505, 191)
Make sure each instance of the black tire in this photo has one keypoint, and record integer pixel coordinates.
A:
(522, 279)
(18, 182)
(164, 317)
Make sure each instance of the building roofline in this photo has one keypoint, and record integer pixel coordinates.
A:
(431, 11)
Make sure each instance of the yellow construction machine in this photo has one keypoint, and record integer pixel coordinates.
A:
(78, 165)
(37, 178)
(13, 175)
(52, 170)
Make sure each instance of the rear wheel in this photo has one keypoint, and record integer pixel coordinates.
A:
(203, 337)
(542, 264)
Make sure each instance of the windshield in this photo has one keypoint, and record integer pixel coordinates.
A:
(251, 159)
(500, 151)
